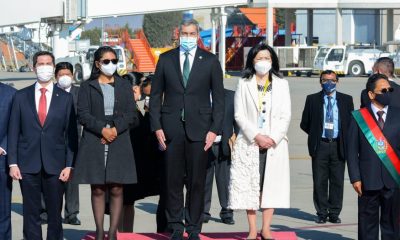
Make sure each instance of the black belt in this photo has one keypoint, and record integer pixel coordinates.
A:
(329, 140)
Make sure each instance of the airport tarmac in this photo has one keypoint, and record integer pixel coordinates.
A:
(299, 218)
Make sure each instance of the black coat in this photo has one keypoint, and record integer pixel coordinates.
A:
(313, 118)
(169, 96)
(363, 163)
(120, 166)
(229, 125)
(395, 101)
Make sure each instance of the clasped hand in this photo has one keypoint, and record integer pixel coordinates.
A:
(264, 142)
(109, 135)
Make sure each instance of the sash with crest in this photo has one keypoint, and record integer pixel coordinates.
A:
(378, 141)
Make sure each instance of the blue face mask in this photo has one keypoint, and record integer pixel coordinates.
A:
(329, 87)
(188, 43)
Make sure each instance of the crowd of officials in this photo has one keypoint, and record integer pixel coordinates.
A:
(54, 137)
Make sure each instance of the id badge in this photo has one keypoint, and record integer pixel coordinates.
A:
(260, 121)
(328, 126)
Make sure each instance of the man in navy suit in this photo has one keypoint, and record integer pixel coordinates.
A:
(376, 186)
(42, 140)
(6, 95)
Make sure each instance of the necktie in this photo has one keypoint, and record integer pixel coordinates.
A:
(381, 122)
(42, 111)
(186, 69)
(329, 119)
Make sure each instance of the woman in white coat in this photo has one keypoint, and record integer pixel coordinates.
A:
(260, 175)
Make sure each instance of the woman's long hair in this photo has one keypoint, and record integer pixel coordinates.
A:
(249, 70)
(97, 56)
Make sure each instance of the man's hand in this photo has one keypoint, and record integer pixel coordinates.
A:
(264, 142)
(15, 174)
(210, 138)
(357, 187)
(161, 139)
(109, 134)
(65, 174)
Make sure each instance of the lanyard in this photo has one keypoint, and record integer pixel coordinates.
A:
(260, 98)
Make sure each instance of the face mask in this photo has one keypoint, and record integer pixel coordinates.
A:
(108, 69)
(329, 87)
(262, 67)
(188, 43)
(45, 73)
(383, 98)
(65, 82)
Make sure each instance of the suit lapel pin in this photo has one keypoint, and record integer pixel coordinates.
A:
(200, 57)
(57, 94)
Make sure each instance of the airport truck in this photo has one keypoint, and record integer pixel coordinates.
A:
(351, 60)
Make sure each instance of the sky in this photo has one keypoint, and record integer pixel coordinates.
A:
(135, 22)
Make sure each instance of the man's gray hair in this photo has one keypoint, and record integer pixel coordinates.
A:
(188, 22)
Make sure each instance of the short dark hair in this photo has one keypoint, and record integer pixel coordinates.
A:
(327, 72)
(249, 70)
(133, 78)
(42, 53)
(147, 80)
(387, 63)
(371, 83)
(63, 65)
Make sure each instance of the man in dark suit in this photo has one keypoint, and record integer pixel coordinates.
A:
(378, 192)
(219, 161)
(6, 96)
(385, 66)
(42, 140)
(64, 74)
(186, 124)
(325, 119)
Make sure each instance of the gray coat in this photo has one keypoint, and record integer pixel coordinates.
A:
(90, 164)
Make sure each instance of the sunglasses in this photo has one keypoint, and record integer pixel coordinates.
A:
(386, 90)
(107, 61)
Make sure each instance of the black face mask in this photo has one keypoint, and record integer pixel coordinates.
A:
(383, 98)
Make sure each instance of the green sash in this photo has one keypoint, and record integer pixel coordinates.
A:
(378, 141)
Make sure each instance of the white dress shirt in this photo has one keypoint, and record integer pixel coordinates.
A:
(38, 93)
(375, 110)
(65, 89)
(182, 56)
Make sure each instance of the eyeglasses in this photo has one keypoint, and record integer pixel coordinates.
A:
(386, 90)
(107, 61)
(325, 80)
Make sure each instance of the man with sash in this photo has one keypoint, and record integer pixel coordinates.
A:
(325, 119)
(373, 162)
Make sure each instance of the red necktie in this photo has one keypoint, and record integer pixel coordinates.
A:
(42, 112)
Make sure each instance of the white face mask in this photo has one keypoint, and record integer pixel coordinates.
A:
(45, 73)
(108, 69)
(65, 82)
(262, 67)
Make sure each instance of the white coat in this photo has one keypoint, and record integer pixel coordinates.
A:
(244, 186)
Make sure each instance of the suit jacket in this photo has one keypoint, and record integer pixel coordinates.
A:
(363, 163)
(169, 96)
(312, 120)
(229, 124)
(6, 96)
(51, 147)
(395, 101)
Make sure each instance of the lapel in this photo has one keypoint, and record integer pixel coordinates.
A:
(319, 111)
(55, 96)
(177, 63)
(252, 88)
(196, 65)
(32, 102)
(96, 85)
(340, 108)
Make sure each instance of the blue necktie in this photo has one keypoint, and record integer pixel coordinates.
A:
(186, 69)
(329, 118)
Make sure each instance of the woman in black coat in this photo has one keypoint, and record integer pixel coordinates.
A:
(107, 112)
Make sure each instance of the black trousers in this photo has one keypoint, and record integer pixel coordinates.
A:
(71, 207)
(219, 166)
(32, 185)
(185, 162)
(384, 202)
(328, 176)
(5, 205)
